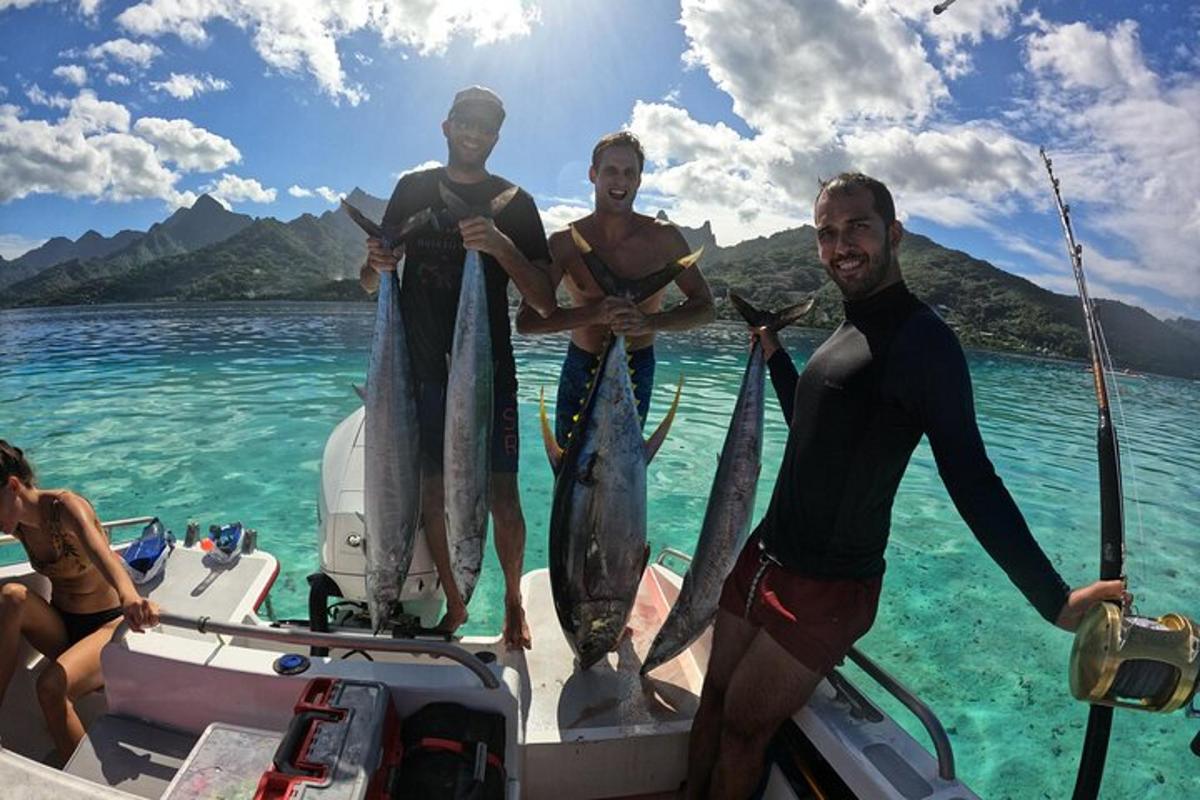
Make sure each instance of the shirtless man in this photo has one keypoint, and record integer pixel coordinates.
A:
(632, 245)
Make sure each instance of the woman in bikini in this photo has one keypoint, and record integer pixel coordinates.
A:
(90, 593)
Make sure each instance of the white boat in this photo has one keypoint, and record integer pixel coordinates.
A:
(212, 669)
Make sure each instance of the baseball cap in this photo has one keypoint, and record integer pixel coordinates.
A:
(479, 98)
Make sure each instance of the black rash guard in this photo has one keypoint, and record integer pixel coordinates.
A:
(891, 372)
(433, 264)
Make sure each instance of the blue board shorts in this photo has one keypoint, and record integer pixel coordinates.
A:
(431, 415)
(577, 373)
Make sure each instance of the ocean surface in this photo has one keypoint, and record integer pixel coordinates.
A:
(220, 413)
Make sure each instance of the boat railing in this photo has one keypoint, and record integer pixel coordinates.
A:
(305, 637)
(7, 539)
(926, 715)
(933, 725)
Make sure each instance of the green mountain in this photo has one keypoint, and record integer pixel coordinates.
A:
(317, 258)
(74, 281)
(986, 306)
(60, 249)
(307, 258)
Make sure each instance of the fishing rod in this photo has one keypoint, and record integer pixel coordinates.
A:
(1119, 660)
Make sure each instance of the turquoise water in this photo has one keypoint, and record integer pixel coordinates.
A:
(220, 412)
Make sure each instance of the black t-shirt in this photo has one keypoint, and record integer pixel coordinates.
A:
(891, 372)
(432, 270)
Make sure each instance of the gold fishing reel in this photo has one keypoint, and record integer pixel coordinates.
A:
(1127, 661)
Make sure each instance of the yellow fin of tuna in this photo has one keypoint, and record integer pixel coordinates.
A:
(553, 451)
(660, 433)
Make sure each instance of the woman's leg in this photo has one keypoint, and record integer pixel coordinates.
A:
(73, 674)
(24, 613)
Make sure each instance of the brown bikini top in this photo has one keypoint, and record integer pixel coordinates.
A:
(70, 567)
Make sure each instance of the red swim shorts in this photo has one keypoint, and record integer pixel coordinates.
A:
(816, 620)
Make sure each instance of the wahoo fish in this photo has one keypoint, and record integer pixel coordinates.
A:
(730, 503)
(598, 548)
(392, 472)
(467, 436)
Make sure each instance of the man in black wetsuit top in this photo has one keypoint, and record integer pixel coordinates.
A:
(806, 586)
(513, 246)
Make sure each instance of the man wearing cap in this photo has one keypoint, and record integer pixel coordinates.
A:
(513, 246)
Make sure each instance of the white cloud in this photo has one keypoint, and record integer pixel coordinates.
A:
(232, 189)
(1126, 143)
(557, 216)
(139, 54)
(190, 147)
(324, 192)
(91, 114)
(93, 151)
(1083, 57)
(14, 245)
(39, 97)
(184, 87)
(116, 79)
(306, 41)
(955, 33)
(72, 73)
(424, 165)
(86, 7)
(859, 61)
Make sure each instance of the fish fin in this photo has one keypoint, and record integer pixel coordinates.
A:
(691, 258)
(369, 226)
(660, 433)
(753, 316)
(457, 207)
(361, 391)
(580, 242)
(554, 451)
(792, 314)
(772, 320)
(501, 201)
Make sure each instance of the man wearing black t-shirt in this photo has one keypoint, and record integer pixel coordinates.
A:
(513, 246)
(807, 584)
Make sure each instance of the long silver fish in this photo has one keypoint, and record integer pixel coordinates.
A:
(467, 440)
(730, 503)
(392, 472)
(467, 436)
(597, 548)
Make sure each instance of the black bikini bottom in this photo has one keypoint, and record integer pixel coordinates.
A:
(80, 625)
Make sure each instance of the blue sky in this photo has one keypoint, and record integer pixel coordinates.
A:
(113, 114)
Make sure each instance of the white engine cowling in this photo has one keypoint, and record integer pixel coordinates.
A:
(340, 536)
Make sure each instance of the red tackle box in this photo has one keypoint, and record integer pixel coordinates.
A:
(342, 744)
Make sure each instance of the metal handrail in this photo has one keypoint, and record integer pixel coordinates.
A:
(301, 636)
(941, 742)
(7, 539)
(671, 551)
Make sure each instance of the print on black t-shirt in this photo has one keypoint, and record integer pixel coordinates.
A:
(432, 270)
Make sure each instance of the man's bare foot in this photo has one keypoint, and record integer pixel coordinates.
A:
(516, 629)
(452, 620)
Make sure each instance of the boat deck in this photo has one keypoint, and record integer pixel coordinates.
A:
(577, 724)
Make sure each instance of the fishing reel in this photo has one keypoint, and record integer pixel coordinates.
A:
(1128, 661)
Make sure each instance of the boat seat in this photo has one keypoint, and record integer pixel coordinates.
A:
(131, 755)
